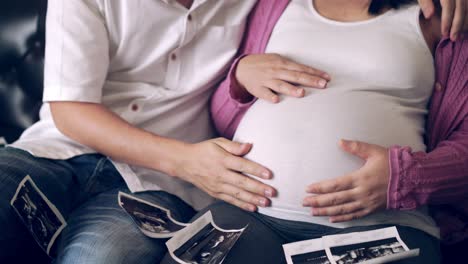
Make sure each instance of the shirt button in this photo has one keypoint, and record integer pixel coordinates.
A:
(189, 17)
(173, 57)
(135, 107)
(438, 86)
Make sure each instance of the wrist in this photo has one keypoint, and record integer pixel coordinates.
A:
(237, 89)
(169, 157)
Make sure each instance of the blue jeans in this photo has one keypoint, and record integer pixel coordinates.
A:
(84, 189)
(261, 242)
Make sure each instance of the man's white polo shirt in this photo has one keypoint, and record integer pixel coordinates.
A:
(152, 62)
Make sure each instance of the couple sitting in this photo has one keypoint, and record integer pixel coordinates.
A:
(126, 90)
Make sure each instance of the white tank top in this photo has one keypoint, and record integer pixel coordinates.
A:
(382, 76)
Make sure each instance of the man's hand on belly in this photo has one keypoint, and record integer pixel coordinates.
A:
(217, 167)
(357, 194)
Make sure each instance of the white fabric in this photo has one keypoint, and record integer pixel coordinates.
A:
(382, 74)
(153, 62)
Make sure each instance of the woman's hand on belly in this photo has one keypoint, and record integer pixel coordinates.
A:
(357, 194)
(266, 75)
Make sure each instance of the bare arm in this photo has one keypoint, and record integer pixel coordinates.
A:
(214, 166)
(97, 127)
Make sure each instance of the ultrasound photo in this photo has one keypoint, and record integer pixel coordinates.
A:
(203, 242)
(317, 257)
(153, 220)
(40, 216)
(382, 245)
(209, 246)
(358, 253)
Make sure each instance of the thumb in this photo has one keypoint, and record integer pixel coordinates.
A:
(357, 148)
(235, 148)
(427, 7)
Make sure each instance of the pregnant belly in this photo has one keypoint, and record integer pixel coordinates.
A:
(298, 138)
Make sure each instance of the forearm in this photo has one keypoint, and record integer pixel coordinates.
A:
(214, 166)
(438, 177)
(102, 130)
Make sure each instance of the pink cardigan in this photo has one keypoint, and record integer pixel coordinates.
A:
(438, 177)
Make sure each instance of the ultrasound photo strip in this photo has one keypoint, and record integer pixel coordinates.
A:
(41, 217)
(202, 242)
(153, 220)
(375, 246)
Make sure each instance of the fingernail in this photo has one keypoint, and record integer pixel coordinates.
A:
(252, 208)
(269, 193)
(266, 175)
(275, 99)
(425, 11)
(454, 37)
(326, 76)
(263, 202)
(300, 92)
(314, 212)
(322, 83)
(345, 142)
(305, 203)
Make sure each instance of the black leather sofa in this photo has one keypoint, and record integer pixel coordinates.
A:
(22, 27)
(21, 64)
